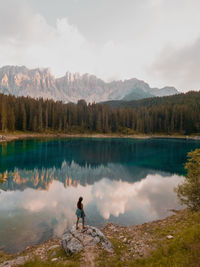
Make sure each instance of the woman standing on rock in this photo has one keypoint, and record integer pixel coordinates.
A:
(80, 213)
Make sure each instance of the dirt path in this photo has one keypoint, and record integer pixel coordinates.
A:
(89, 257)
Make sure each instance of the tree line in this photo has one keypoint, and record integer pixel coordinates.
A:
(172, 114)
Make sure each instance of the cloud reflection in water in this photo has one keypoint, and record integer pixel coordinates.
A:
(152, 196)
(142, 201)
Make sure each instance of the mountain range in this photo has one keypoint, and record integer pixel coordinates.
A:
(21, 81)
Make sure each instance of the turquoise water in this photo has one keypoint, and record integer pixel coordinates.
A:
(124, 181)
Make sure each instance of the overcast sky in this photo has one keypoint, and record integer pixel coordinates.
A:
(154, 40)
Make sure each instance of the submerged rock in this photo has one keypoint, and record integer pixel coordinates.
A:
(73, 241)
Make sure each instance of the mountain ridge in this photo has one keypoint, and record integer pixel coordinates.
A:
(39, 82)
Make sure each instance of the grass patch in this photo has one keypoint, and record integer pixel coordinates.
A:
(117, 260)
(63, 260)
(183, 250)
(57, 253)
(4, 257)
(37, 262)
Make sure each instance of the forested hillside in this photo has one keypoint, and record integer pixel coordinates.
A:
(177, 99)
(172, 114)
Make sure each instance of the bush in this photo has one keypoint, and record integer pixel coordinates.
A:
(189, 191)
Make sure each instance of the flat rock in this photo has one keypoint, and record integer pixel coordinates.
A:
(53, 247)
(73, 241)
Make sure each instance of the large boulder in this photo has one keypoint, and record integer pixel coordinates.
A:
(73, 241)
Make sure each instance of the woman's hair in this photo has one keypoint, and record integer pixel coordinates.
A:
(79, 203)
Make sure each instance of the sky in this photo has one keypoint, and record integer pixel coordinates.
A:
(157, 41)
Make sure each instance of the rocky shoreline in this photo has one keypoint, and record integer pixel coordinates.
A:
(7, 137)
(130, 243)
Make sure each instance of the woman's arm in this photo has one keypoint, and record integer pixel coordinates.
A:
(82, 210)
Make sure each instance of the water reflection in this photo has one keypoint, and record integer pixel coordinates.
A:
(72, 175)
(122, 180)
(31, 216)
(158, 154)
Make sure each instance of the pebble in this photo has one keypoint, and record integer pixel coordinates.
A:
(170, 236)
(54, 259)
(112, 227)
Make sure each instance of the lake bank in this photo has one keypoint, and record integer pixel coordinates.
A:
(6, 137)
(173, 241)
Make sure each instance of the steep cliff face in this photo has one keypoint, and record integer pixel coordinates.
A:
(21, 81)
(88, 87)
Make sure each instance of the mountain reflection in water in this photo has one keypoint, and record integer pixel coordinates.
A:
(166, 155)
(31, 216)
(125, 181)
(72, 175)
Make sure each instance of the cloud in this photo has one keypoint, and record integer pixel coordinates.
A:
(180, 65)
(27, 39)
(34, 43)
(120, 45)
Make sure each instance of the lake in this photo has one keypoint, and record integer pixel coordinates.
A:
(124, 181)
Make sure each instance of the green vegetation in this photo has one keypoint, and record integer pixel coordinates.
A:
(189, 191)
(182, 250)
(4, 257)
(72, 262)
(169, 115)
(60, 255)
(105, 260)
(137, 94)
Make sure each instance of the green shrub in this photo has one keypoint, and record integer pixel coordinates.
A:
(189, 191)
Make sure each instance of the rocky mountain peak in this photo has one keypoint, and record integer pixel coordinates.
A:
(70, 77)
(39, 82)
